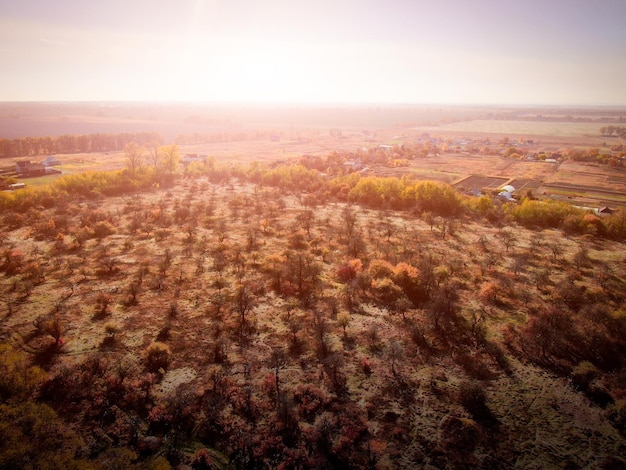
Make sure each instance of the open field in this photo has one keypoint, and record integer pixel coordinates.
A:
(524, 128)
(172, 119)
(40, 119)
(480, 182)
(598, 185)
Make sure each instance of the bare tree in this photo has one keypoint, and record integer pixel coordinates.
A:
(395, 352)
(134, 154)
(277, 361)
(508, 238)
(155, 157)
(306, 219)
(555, 248)
(243, 302)
(350, 220)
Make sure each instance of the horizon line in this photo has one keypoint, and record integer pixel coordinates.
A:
(309, 104)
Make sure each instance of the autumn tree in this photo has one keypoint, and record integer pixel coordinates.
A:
(157, 356)
(350, 220)
(134, 155)
(343, 320)
(33, 436)
(18, 378)
(489, 293)
(51, 325)
(169, 159)
(303, 270)
(306, 219)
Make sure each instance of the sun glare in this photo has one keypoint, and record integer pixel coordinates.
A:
(236, 70)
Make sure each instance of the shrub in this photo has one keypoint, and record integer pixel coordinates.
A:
(386, 292)
(459, 435)
(18, 378)
(473, 398)
(157, 356)
(103, 229)
(583, 374)
(202, 460)
(310, 400)
(111, 330)
(379, 269)
(617, 415)
(349, 270)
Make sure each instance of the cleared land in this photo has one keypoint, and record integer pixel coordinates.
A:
(518, 127)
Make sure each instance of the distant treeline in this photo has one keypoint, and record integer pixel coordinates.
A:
(31, 146)
(619, 131)
(221, 137)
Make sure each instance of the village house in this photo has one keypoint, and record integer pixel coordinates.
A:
(27, 168)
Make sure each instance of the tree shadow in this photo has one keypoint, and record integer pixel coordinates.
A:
(108, 343)
(46, 357)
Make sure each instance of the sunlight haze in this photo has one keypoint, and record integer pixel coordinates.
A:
(494, 52)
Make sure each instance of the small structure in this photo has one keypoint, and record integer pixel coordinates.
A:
(506, 195)
(605, 211)
(353, 165)
(506, 192)
(474, 192)
(51, 160)
(27, 169)
(193, 157)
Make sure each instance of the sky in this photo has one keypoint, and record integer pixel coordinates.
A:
(524, 52)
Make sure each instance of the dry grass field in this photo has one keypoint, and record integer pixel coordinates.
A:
(224, 320)
(393, 371)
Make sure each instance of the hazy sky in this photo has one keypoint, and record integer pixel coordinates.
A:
(412, 51)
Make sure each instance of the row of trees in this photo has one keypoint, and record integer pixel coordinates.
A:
(159, 165)
(33, 146)
(145, 169)
(163, 160)
(406, 193)
(611, 130)
(572, 220)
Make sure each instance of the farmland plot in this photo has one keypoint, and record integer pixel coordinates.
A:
(539, 128)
